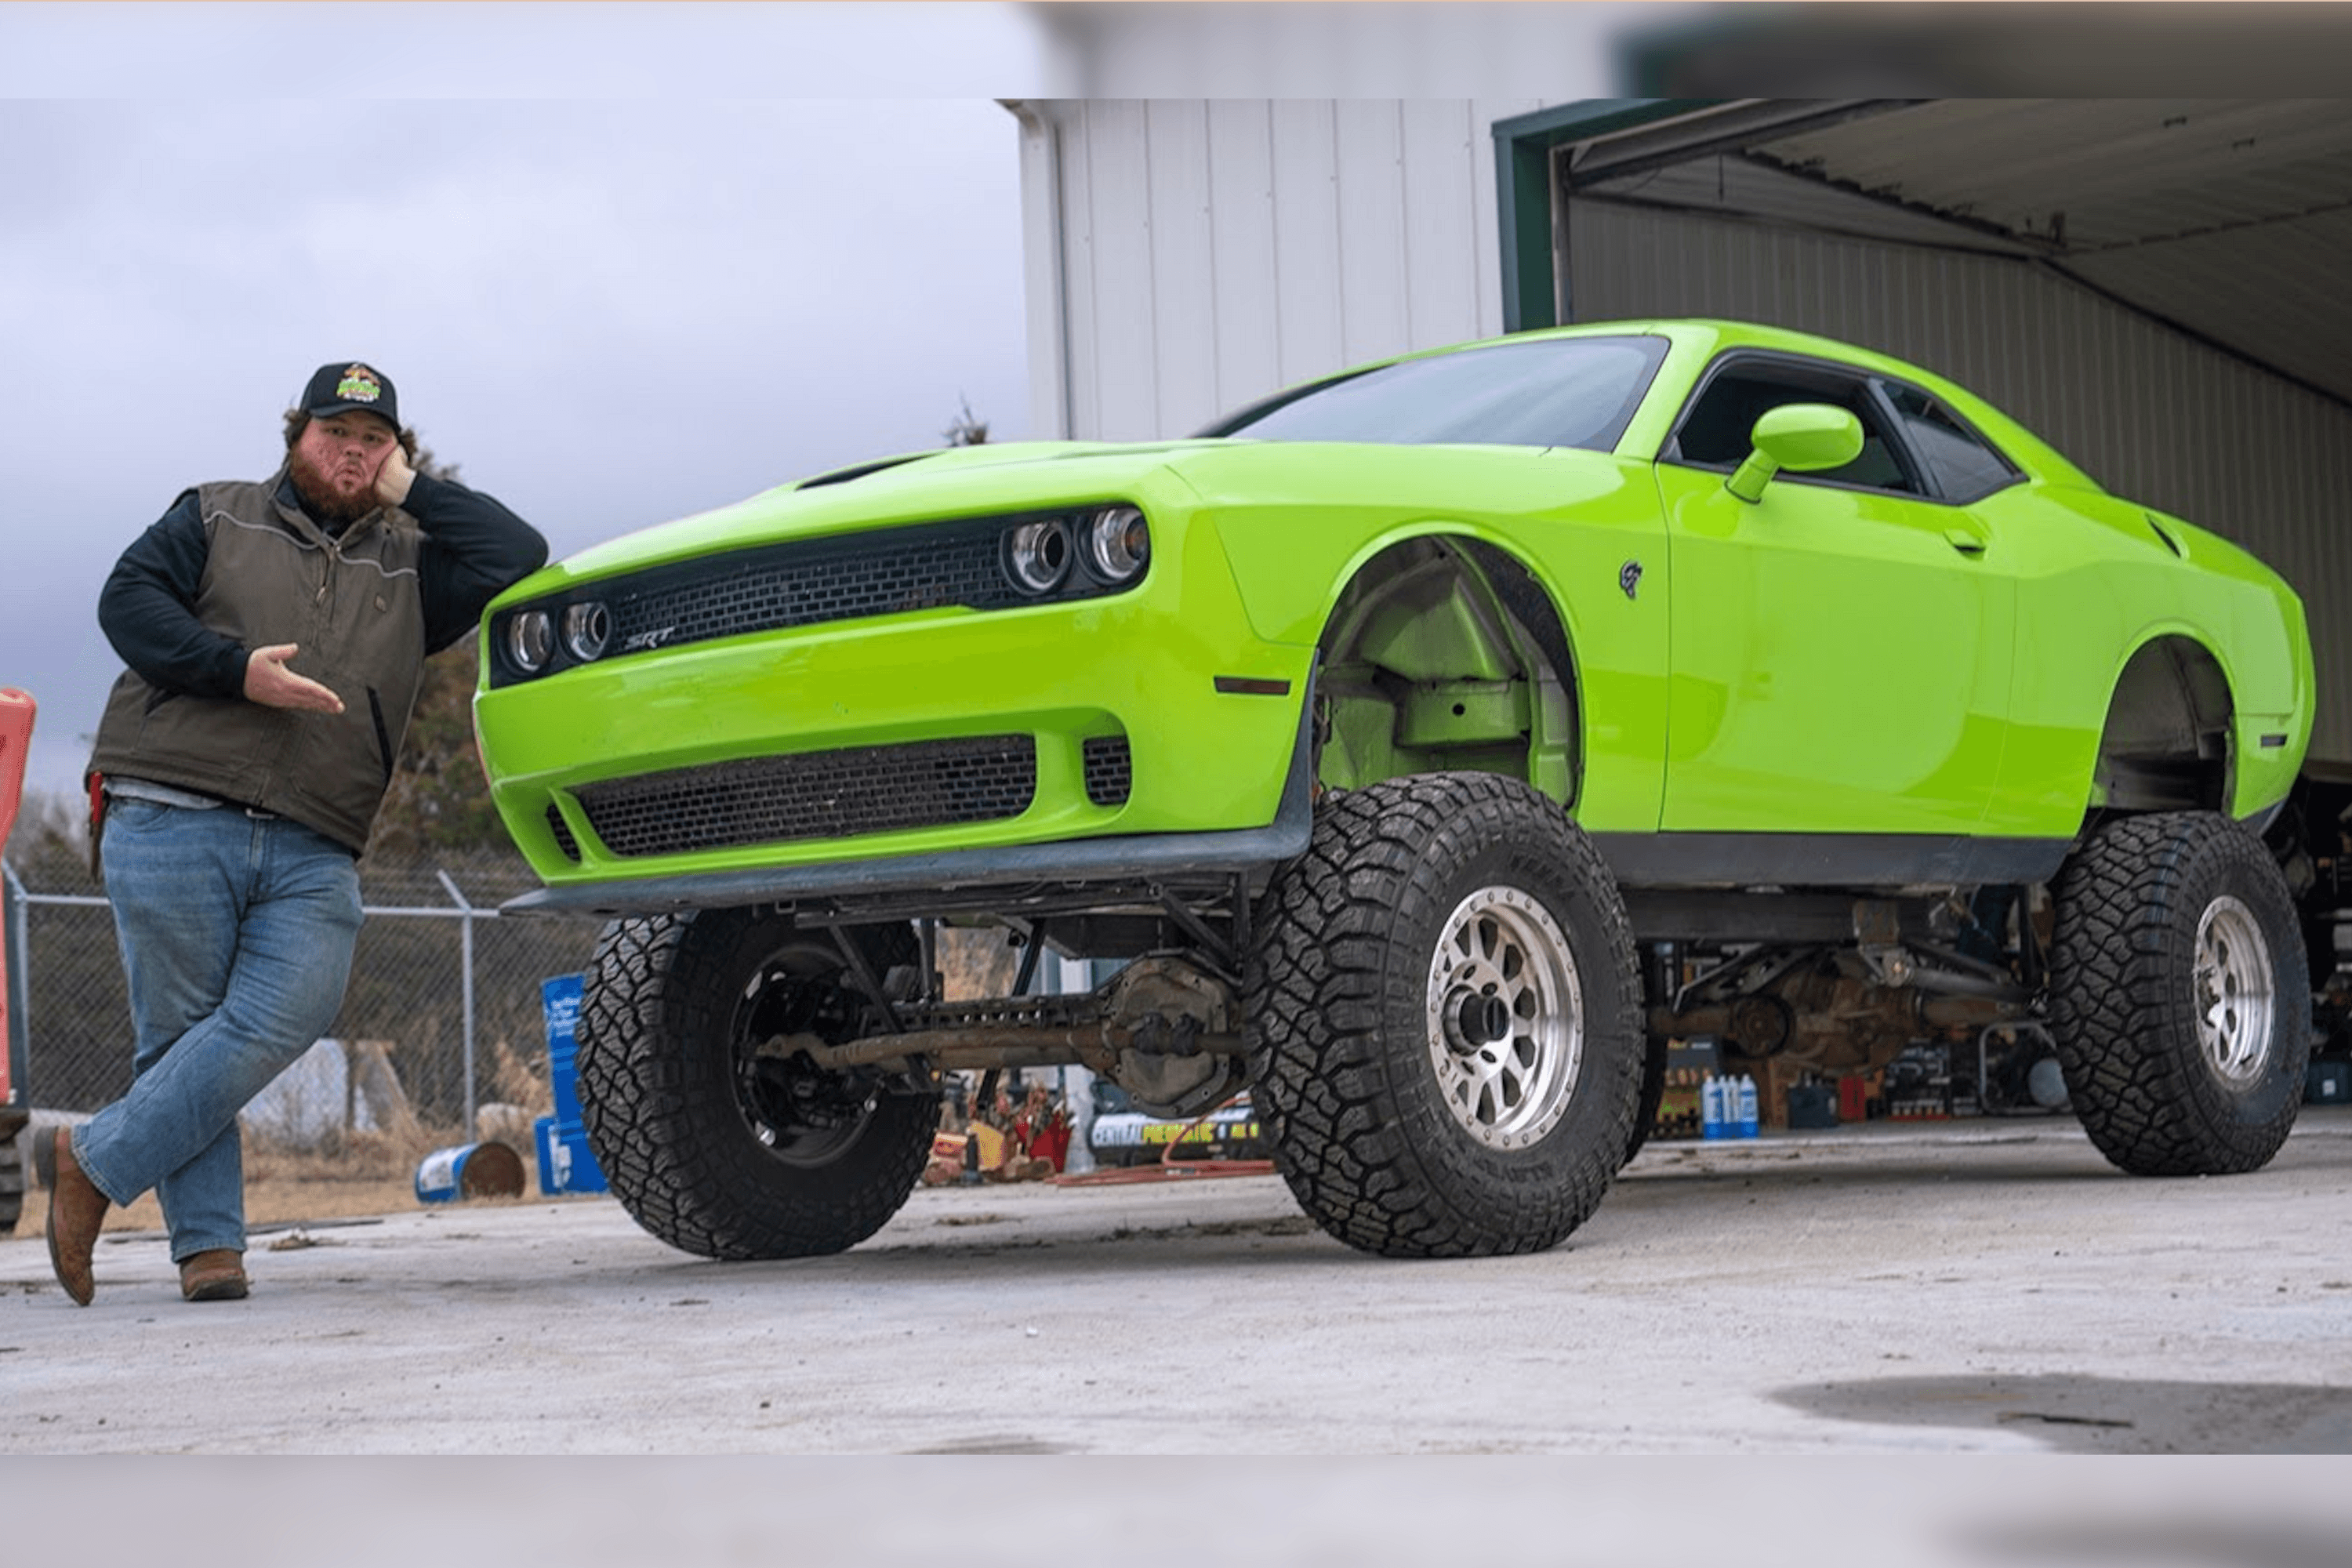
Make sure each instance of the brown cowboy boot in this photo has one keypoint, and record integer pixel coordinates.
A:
(215, 1276)
(76, 1209)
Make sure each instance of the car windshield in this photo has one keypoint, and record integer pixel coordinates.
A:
(1546, 392)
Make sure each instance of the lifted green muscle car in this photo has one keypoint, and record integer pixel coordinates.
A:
(1435, 741)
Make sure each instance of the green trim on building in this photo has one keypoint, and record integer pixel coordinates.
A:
(1523, 150)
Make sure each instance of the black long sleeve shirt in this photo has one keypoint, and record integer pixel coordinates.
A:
(473, 547)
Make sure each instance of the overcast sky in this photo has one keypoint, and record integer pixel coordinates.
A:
(608, 311)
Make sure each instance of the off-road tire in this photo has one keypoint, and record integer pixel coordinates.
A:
(2150, 910)
(708, 1151)
(1350, 1075)
(12, 1180)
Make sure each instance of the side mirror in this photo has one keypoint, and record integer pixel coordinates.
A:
(1798, 435)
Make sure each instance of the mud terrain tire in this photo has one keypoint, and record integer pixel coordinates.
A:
(1445, 1035)
(12, 1177)
(2180, 995)
(717, 1151)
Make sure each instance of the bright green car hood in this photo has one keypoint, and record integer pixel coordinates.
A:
(961, 481)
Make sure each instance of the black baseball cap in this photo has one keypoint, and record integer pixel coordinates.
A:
(346, 385)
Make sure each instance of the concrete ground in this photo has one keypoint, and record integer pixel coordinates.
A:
(1988, 1286)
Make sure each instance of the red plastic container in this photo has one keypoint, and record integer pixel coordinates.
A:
(15, 735)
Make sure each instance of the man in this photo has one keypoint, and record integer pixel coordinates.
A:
(275, 633)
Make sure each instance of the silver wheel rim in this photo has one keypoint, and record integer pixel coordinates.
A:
(1506, 1016)
(2236, 995)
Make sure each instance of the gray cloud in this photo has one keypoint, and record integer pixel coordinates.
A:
(607, 313)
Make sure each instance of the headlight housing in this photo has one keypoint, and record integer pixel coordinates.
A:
(1001, 561)
(1037, 555)
(587, 630)
(1117, 545)
(530, 642)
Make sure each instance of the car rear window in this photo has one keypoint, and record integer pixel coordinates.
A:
(1544, 392)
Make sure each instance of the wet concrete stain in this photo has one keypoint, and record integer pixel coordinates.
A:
(2084, 1414)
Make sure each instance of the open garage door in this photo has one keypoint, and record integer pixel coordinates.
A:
(2154, 284)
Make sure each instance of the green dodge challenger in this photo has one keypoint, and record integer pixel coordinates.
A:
(1432, 744)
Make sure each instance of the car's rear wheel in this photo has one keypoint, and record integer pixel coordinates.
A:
(1445, 1030)
(714, 1145)
(2181, 996)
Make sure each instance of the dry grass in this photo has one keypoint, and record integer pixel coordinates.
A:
(370, 1174)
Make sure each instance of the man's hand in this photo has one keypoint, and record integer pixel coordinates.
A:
(269, 682)
(392, 479)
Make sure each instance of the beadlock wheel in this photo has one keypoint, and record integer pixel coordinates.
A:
(1446, 1034)
(1505, 1018)
(2179, 996)
(2236, 998)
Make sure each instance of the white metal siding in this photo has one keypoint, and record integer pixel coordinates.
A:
(1212, 251)
(2151, 414)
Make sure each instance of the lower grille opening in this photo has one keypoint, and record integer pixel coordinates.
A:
(562, 831)
(1110, 772)
(816, 794)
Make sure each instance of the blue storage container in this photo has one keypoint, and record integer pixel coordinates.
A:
(559, 998)
(565, 1165)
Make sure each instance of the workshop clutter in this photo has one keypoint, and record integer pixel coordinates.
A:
(2009, 1069)
(1728, 1108)
(999, 1132)
(1123, 1134)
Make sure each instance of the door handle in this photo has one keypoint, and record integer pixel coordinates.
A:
(1966, 543)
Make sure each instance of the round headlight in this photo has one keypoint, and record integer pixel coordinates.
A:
(530, 640)
(1037, 555)
(587, 631)
(1118, 545)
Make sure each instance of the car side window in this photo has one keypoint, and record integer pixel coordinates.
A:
(1963, 463)
(1715, 432)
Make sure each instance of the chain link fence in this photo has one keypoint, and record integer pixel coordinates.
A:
(443, 989)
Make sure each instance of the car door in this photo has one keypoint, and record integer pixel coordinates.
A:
(1840, 649)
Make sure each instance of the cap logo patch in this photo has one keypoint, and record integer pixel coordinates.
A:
(359, 385)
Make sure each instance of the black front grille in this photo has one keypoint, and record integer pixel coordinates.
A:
(816, 794)
(809, 585)
(562, 831)
(1110, 774)
(800, 582)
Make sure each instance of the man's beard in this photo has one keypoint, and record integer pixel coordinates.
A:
(320, 496)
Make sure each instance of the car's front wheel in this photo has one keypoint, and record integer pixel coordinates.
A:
(1446, 1034)
(715, 1138)
(2180, 998)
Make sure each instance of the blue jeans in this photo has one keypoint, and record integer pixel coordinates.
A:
(236, 935)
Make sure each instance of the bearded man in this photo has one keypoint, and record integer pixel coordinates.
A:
(275, 635)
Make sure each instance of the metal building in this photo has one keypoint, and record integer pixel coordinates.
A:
(2155, 285)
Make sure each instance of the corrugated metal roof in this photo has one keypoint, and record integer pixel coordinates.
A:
(2228, 219)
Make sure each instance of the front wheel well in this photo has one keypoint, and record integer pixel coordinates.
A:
(1446, 654)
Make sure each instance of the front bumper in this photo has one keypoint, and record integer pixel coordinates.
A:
(1204, 713)
(961, 880)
